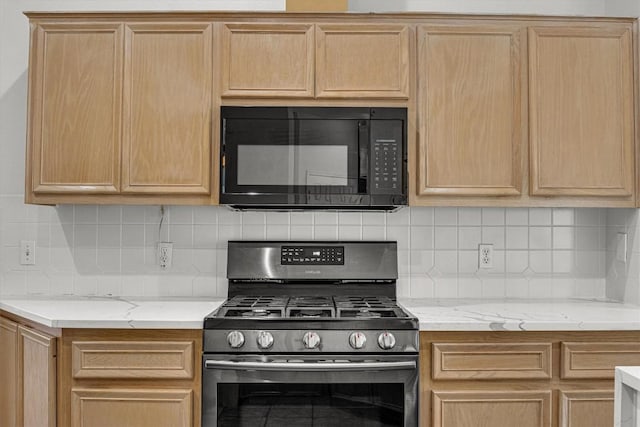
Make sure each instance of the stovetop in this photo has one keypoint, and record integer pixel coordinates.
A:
(310, 307)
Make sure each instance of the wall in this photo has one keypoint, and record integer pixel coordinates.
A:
(110, 250)
(623, 278)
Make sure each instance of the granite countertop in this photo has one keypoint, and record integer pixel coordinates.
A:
(113, 312)
(523, 315)
(433, 314)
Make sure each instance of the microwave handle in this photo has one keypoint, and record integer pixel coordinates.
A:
(364, 148)
(308, 367)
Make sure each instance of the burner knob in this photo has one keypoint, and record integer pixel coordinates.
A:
(386, 340)
(311, 340)
(357, 340)
(264, 339)
(235, 339)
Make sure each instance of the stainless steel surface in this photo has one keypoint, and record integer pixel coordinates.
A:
(291, 341)
(261, 261)
(308, 367)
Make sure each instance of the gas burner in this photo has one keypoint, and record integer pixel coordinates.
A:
(252, 307)
(309, 313)
(310, 306)
(368, 314)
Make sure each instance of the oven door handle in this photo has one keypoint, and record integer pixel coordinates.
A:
(309, 367)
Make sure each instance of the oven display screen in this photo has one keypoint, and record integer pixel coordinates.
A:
(312, 255)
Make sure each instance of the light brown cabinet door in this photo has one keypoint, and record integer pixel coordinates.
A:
(75, 108)
(8, 372)
(37, 378)
(167, 108)
(470, 85)
(267, 60)
(588, 408)
(362, 61)
(491, 409)
(581, 110)
(131, 407)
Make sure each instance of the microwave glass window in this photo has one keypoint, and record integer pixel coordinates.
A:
(289, 165)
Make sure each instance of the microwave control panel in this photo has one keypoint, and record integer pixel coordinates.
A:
(386, 157)
(308, 255)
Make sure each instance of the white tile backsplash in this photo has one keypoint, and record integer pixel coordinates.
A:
(106, 250)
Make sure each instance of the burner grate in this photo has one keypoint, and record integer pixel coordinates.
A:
(255, 306)
(366, 306)
(310, 306)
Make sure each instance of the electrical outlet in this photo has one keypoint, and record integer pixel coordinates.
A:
(165, 255)
(485, 256)
(27, 252)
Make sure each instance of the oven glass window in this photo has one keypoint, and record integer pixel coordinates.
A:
(310, 405)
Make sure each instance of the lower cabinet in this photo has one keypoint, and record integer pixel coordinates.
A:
(524, 379)
(130, 378)
(27, 376)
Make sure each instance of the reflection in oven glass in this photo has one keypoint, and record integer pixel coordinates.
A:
(310, 405)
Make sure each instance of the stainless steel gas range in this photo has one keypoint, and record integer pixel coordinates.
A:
(310, 335)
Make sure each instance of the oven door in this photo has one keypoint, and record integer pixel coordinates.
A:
(293, 390)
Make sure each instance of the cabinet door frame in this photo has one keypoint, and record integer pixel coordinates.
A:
(9, 355)
(206, 162)
(305, 30)
(401, 31)
(517, 33)
(49, 413)
(35, 127)
(625, 37)
(567, 397)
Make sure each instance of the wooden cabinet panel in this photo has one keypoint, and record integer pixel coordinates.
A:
(132, 359)
(140, 408)
(8, 372)
(597, 360)
(491, 361)
(470, 86)
(486, 408)
(267, 60)
(362, 61)
(75, 108)
(37, 381)
(586, 408)
(581, 110)
(167, 109)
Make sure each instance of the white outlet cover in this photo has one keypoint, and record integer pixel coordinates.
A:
(485, 256)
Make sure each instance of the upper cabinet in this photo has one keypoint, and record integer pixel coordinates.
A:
(362, 61)
(167, 110)
(470, 112)
(323, 60)
(581, 110)
(120, 113)
(75, 108)
(267, 60)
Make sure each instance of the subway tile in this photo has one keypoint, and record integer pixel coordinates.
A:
(156, 214)
(562, 262)
(205, 215)
(469, 216)
(132, 235)
(108, 260)
(277, 232)
(133, 214)
(469, 287)
(563, 216)
(539, 237)
(540, 262)
(399, 234)
(591, 217)
(132, 261)
(421, 262)
(493, 236)
(587, 238)
(325, 218)
(350, 218)
(37, 283)
(301, 232)
(445, 216)
(227, 216)
(403, 263)
(85, 236)
(446, 288)
(517, 238)
(467, 262)
(421, 287)
(205, 286)
(517, 216)
(540, 287)
(493, 288)
(205, 236)
(326, 232)
(64, 214)
(253, 218)
(181, 214)
(540, 216)
(351, 232)
(516, 262)
(181, 235)
(563, 237)
(86, 214)
(469, 237)
(446, 262)
(399, 217)
(109, 236)
(108, 286)
(85, 285)
(445, 237)
(421, 237)
(493, 216)
(109, 214)
(253, 232)
(154, 233)
(301, 218)
(517, 288)
(14, 283)
(562, 288)
(375, 218)
(204, 261)
(373, 232)
(421, 215)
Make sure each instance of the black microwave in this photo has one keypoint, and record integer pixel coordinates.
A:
(313, 157)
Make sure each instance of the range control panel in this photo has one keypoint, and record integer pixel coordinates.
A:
(312, 255)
